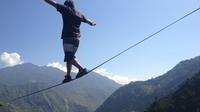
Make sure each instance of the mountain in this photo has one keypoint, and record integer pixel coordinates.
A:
(185, 99)
(42, 102)
(82, 95)
(137, 96)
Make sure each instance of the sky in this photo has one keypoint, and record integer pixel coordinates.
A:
(30, 32)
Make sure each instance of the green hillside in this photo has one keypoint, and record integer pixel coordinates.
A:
(185, 99)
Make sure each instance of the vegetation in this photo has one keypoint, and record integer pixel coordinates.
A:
(185, 99)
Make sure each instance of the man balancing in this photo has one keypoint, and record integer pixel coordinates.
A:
(72, 20)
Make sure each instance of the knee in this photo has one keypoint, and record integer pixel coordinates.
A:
(69, 57)
(69, 61)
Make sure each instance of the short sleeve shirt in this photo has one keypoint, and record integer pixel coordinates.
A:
(71, 21)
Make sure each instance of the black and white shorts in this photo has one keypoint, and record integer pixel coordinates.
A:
(70, 46)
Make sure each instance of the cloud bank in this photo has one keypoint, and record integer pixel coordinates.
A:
(117, 78)
(10, 59)
(57, 65)
(60, 66)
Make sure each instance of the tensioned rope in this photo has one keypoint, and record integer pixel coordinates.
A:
(120, 53)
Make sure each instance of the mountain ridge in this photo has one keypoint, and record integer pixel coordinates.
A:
(84, 94)
(136, 96)
(185, 99)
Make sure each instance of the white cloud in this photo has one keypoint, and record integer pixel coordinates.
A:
(10, 59)
(57, 65)
(117, 78)
(121, 79)
(60, 66)
(102, 71)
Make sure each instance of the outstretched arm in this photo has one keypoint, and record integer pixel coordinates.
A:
(90, 22)
(51, 2)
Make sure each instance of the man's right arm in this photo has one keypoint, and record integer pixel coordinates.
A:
(51, 2)
(61, 8)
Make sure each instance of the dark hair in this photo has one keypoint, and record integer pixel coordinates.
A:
(70, 3)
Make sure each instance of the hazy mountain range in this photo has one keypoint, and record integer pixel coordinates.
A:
(137, 96)
(82, 95)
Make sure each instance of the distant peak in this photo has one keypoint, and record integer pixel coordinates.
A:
(26, 65)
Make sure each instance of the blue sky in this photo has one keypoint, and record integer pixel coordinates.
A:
(32, 29)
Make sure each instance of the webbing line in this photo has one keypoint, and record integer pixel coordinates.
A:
(134, 45)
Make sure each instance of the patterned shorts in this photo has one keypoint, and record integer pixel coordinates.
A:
(70, 46)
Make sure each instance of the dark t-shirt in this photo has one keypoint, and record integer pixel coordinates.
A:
(71, 21)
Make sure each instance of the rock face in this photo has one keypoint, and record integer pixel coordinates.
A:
(82, 95)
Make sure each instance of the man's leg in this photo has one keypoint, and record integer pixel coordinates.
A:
(82, 71)
(68, 59)
(69, 68)
(76, 63)
(70, 48)
(68, 76)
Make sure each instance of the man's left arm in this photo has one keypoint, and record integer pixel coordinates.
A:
(91, 22)
(51, 2)
(88, 21)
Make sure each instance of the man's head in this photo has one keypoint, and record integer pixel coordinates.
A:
(70, 3)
